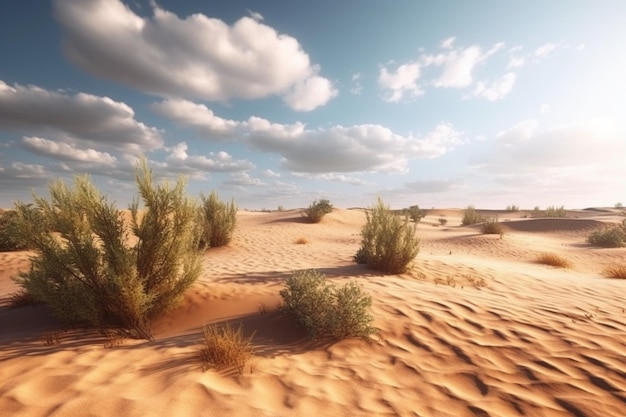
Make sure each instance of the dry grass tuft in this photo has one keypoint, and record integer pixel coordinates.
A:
(553, 259)
(52, 338)
(301, 241)
(225, 347)
(616, 271)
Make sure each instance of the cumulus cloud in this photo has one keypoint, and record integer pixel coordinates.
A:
(194, 57)
(458, 67)
(179, 160)
(66, 151)
(367, 147)
(73, 118)
(497, 89)
(243, 179)
(401, 82)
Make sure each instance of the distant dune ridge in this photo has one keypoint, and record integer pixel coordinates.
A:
(475, 328)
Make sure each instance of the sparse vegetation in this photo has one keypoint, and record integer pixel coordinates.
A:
(302, 241)
(9, 237)
(218, 220)
(471, 216)
(619, 205)
(553, 259)
(325, 310)
(225, 347)
(388, 242)
(415, 213)
(610, 237)
(317, 210)
(85, 269)
(492, 226)
(20, 299)
(512, 208)
(616, 271)
(442, 221)
(553, 211)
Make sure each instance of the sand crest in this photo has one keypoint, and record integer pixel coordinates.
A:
(475, 328)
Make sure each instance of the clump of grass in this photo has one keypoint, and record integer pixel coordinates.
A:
(471, 216)
(317, 210)
(301, 241)
(218, 221)
(325, 310)
(616, 271)
(552, 259)
(388, 242)
(492, 226)
(512, 208)
(611, 237)
(52, 338)
(225, 347)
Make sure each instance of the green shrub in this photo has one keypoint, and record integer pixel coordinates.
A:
(388, 242)
(317, 210)
(85, 268)
(553, 211)
(218, 221)
(325, 310)
(442, 221)
(9, 237)
(415, 213)
(611, 237)
(492, 226)
(225, 347)
(512, 208)
(471, 216)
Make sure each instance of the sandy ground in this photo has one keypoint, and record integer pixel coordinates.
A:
(475, 328)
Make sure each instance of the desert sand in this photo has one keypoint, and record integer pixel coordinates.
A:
(475, 328)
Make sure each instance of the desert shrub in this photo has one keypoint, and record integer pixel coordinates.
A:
(415, 213)
(492, 226)
(616, 271)
(225, 347)
(552, 259)
(9, 237)
(619, 205)
(610, 237)
(553, 211)
(471, 216)
(218, 221)
(302, 241)
(442, 221)
(537, 212)
(388, 242)
(325, 310)
(512, 208)
(317, 210)
(85, 268)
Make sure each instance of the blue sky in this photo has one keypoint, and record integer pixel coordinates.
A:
(441, 104)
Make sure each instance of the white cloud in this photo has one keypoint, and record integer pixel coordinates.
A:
(357, 148)
(544, 50)
(401, 82)
(356, 88)
(333, 177)
(270, 174)
(243, 179)
(255, 15)
(545, 108)
(432, 186)
(180, 161)
(447, 43)
(516, 62)
(65, 151)
(458, 67)
(496, 90)
(195, 57)
(100, 121)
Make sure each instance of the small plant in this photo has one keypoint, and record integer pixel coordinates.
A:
(471, 216)
(512, 208)
(616, 271)
(301, 241)
(442, 221)
(415, 213)
(552, 259)
(553, 211)
(611, 237)
(492, 226)
(280, 208)
(52, 338)
(325, 310)
(225, 347)
(317, 210)
(9, 235)
(218, 220)
(388, 242)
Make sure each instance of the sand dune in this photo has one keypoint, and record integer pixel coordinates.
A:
(475, 328)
